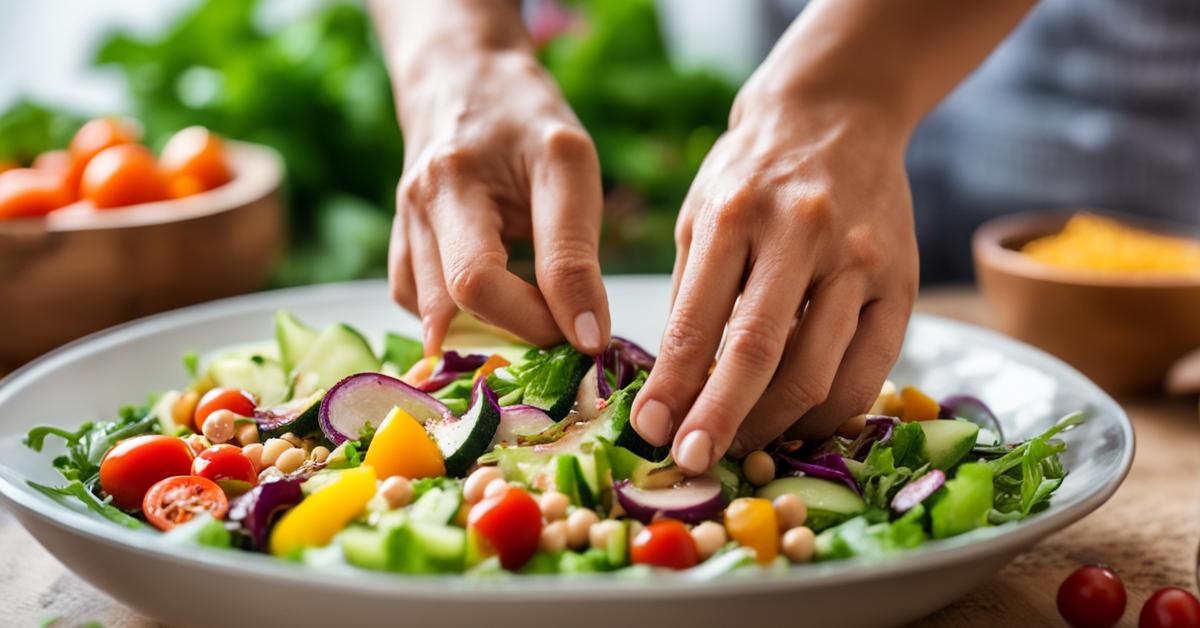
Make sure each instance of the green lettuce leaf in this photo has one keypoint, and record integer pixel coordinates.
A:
(965, 501)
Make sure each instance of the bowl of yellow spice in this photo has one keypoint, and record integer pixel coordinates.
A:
(1116, 296)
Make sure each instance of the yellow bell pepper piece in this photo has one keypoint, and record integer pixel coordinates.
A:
(314, 521)
(752, 522)
(401, 446)
(917, 405)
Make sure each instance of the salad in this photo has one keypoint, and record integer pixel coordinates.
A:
(507, 458)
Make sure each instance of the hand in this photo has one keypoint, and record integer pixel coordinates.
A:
(495, 154)
(797, 238)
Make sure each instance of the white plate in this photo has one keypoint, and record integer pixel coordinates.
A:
(192, 587)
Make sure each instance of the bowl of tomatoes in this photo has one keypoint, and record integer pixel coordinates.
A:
(105, 230)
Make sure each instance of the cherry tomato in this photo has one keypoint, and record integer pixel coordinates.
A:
(135, 464)
(1092, 597)
(53, 160)
(665, 543)
(508, 524)
(227, 466)
(236, 401)
(27, 192)
(122, 175)
(193, 160)
(1171, 607)
(99, 134)
(176, 500)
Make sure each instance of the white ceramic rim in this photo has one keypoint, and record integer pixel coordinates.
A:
(977, 544)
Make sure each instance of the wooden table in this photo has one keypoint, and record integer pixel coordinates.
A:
(1148, 532)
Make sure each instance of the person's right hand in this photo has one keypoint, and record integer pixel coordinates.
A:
(493, 154)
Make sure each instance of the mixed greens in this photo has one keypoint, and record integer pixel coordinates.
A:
(498, 457)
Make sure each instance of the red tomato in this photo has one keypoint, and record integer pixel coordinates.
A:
(664, 543)
(509, 524)
(135, 464)
(236, 401)
(227, 466)
(99, 134)
(1091, 597)
(53, 160)
(26, 192)
(176, 500)
(122, 175)
(193, 160)
(1171, 607)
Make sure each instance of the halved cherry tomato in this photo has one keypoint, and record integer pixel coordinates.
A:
(26, 192)
(193, 160)
(508, 524)
(1171, 607)
(228, 467)
(1091, 597)
(135, 464)
(122, 175)
(236, 401)
(665, 543)
(178, 499)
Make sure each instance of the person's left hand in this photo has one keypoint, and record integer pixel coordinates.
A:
(797, 234)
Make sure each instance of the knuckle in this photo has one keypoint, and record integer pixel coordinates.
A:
(804, 392)
(754, 342)
(450, 161)
(863, 251)
(467, 281)
(566, 266)
(680, 341)
(568, 142)
(815, 212)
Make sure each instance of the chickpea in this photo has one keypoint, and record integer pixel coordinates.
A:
(290, 460)
(799, 544)
(790, 511)
(853, 426)
(254, 452)
(495, 487)
(601, 533)
(758, 468)
(293, 439)
(272, 450)
(709, 537)
(553, 537)
(247, 434)
(319, 453)
(479, 480)
(397, 491)
(218, 427)
(579, 526)
(554, 505)
(197, 442)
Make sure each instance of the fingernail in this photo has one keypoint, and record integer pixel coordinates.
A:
(695, 452)
(587, 330)
(653, 422)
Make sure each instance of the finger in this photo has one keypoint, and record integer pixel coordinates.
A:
(809, 365)
(754, 344)
(433, 301)
(865, 366)
(683, 244)
(474, 264)
(400, 274)
(707, 291)
(567, 200)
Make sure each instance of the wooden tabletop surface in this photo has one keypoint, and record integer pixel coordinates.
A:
(1148, 531)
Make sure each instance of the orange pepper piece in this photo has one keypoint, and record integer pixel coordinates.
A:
(751, 521)
(917, 405)
(494, 362)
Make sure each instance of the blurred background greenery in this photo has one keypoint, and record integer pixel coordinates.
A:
(316, 90)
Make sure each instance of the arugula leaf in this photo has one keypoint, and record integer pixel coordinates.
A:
(1028, 474)
(547, 379)
(87, 445)
(76, 489)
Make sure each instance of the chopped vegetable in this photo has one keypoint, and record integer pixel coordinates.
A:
(315, 521)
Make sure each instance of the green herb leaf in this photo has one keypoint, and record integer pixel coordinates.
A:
(76, 489)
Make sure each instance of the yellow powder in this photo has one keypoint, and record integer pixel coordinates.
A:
(1091, 242)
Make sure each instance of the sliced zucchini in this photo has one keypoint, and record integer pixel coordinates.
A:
(829, 503)
(259, 375)
(294, 338)
(463, 440)
(338, 351)
(436, 506)
(947, 441)
(298, 416)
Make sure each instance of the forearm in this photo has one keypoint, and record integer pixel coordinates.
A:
(899, 57)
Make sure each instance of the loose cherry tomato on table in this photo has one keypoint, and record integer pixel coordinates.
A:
(26, 192)
(236, 401)
(193, 160)
(178, 499)
(509, 524)
(1171, 607)
(122, 175)
(1092, 597)
(135, 464)
(227, 466)
(665, 543)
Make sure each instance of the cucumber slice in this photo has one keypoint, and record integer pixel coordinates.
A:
(426, 548)
(462, 441)
(364, 547)
(298, 416)
(618, 545)
(828, 502)
(948, 441)
(436, 506)
(338, 351)
(294, 338)
(261, 376)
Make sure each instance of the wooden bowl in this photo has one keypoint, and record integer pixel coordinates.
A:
(1123, 330)
(80, 270)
